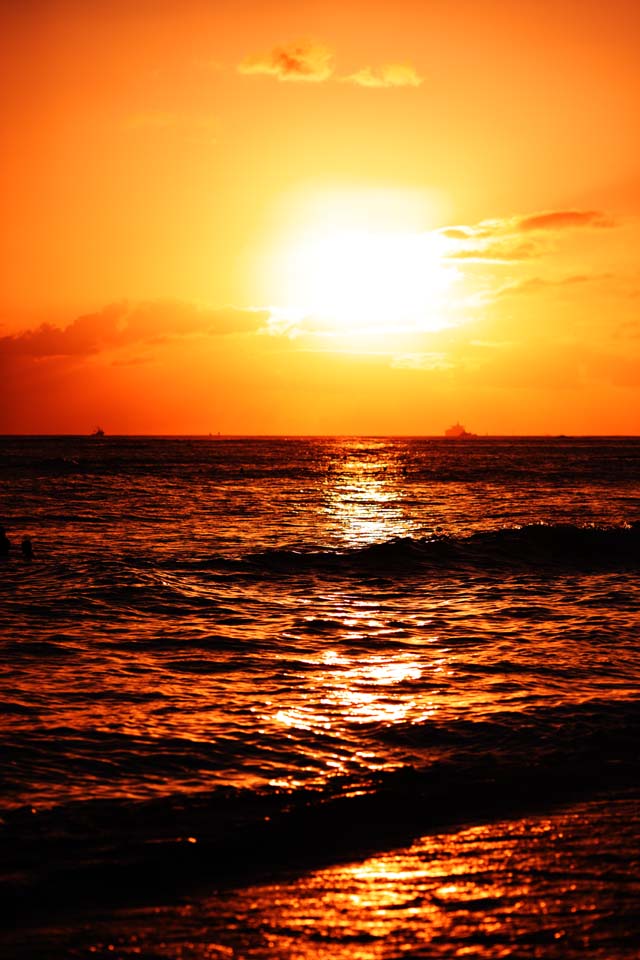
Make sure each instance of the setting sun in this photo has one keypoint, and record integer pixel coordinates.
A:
(320, 478)
(364, 280)
(274, 206)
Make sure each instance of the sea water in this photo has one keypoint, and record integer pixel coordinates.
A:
(241, 661)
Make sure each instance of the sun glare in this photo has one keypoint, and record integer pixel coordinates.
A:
(360, 265)
(359, 279)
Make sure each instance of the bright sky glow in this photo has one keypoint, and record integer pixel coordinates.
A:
(336, 218)
(354, 279)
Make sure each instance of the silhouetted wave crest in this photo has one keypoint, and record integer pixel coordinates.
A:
(537, 545)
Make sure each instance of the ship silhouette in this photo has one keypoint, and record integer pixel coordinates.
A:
(458, 432)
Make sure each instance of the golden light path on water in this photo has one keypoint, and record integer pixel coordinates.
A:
(366, 672)
(351, 660)
(365, 501)
(357, 680)
(364, 497)
(358, 688)
(483, 891)
(530, 887)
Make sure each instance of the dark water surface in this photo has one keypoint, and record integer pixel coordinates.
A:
(234, 659)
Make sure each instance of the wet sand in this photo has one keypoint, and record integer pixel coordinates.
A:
(558, 884)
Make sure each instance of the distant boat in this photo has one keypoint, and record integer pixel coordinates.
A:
(98, 432)
(458, 432)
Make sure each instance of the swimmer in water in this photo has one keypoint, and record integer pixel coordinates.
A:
(27, 548)
(5, 543)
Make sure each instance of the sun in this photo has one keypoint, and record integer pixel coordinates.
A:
(368, 279)
(357, 264)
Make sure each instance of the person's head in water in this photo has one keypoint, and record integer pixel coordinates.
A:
(5, 543)
(27, 548)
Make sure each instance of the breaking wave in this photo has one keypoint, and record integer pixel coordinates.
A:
(539, 545)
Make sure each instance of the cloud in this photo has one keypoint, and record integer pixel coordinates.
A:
(506, 251)
(309, 61)
(121, 325)
(303, 60)
(502, 240)
(389, 75)
(536, 284)
(560, 219)
(511, 226)
(457, 233)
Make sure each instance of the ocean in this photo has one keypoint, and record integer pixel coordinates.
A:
(355, 698)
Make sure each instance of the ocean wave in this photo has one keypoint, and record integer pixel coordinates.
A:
(538, 545)
(594, 727)
(78, 851)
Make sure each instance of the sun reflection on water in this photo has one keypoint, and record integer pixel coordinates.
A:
(480, 891)
(364, 495)
(537, 886)
(355, 691)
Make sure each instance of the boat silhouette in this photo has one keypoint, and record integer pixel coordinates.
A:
(458, 432)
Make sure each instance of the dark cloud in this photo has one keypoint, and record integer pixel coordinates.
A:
(120, 325)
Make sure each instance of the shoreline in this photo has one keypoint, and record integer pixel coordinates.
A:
(488, 874)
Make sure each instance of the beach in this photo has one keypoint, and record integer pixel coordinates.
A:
(322, 697)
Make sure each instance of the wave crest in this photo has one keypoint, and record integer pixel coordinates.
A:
(539, 545)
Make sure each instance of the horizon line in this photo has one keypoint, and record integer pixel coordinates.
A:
(321, 436)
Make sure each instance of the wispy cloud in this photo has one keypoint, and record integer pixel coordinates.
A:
(304, 60)
(559, 219)
(503, 240)
(537, 284)
(506, 251)
(388, 75)
(310, 61)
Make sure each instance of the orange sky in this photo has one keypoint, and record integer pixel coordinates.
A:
(328, 217)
